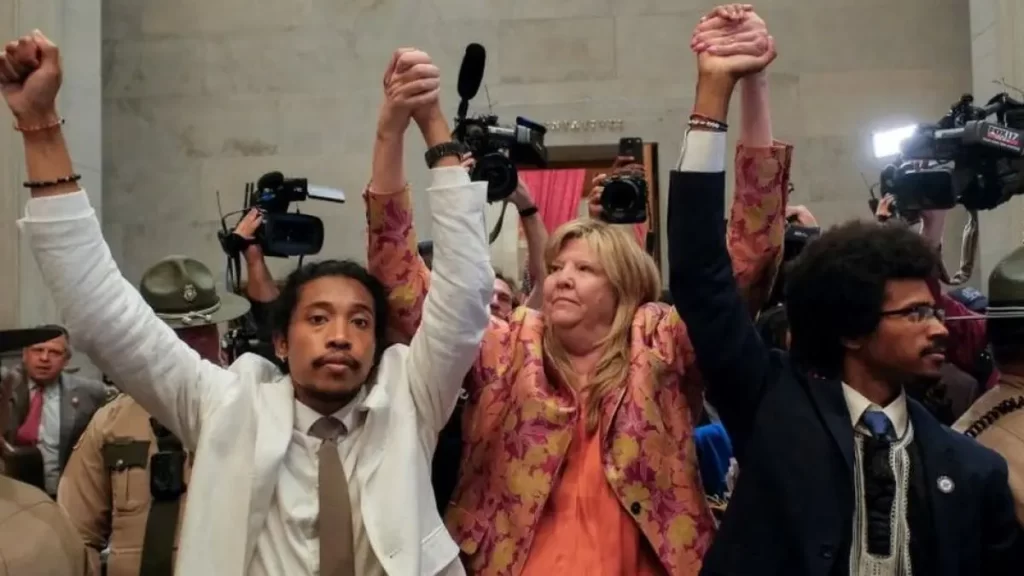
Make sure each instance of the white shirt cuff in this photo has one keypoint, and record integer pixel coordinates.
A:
(702, 151)
(59, 207)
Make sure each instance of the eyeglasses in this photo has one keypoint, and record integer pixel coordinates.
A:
(918, 313)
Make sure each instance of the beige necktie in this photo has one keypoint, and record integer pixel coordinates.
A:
(337, 555)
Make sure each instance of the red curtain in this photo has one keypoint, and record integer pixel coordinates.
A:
(556, 192)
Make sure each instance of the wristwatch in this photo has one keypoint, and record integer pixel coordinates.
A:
(435, 153)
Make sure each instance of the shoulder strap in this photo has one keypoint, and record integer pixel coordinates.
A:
(1008, 406)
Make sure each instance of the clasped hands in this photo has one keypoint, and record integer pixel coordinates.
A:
(732, 41)
(412, 86)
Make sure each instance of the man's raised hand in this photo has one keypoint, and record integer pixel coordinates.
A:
(30, 78)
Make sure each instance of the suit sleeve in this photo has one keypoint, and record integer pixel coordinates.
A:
(113, 324)
(734, 363)
(84, 492)
(455, 312)
(1003, 540)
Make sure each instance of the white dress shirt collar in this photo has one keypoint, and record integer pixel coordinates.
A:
(350, 414)
(896, 410)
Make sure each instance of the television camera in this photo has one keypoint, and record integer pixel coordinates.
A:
(282, 234)
(496, 148)
(963, 159)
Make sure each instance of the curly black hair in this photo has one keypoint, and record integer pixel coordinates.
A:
(283, 308)
(835, 289)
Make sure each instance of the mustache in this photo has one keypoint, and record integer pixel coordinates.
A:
(336, 358)
(938, 346)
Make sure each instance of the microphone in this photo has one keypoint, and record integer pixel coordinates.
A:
(471, 73)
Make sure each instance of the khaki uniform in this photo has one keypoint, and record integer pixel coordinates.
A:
(35, 537)
(105, 491)
(1005, 434)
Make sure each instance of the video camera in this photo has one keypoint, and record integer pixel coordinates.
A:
(496, 148)
(282, 234)
(963, 159)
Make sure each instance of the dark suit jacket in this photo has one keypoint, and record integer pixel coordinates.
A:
(792, 511)
(80, 398)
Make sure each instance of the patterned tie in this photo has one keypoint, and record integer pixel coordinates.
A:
(879, 481)
(337, 555)
(878, 424)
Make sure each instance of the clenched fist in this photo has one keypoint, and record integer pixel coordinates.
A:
(30, 77)
(412, 85)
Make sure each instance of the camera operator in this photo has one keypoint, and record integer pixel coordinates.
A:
(260, 286)
(578, 427)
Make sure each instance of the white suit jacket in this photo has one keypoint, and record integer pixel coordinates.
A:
(239, 420)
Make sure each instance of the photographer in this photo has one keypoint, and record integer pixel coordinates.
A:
(578, 427)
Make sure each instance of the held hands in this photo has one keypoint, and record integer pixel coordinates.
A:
(732, 41)
(30, 77)
(412, 86)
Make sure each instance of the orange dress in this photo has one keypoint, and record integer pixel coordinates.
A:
(584, 529)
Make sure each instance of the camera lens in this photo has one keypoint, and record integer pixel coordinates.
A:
(500, 174)
(620, 195)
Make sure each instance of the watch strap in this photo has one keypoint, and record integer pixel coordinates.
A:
(435, 153)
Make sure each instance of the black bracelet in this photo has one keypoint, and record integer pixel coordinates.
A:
(51, 183)
(527, 212)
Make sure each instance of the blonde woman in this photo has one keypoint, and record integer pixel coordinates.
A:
(577, 431)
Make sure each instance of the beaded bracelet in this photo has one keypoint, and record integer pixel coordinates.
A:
(708, 123)
(53, 124)
(33, 184)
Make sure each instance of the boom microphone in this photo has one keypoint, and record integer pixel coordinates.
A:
(471, 73)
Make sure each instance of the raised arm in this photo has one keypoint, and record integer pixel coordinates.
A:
(733, 362)
(392, 254)
(455, 311)
(108, 317)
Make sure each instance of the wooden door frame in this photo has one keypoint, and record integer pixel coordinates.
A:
(586, 156)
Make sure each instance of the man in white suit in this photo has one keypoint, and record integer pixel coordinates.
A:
(325, 470)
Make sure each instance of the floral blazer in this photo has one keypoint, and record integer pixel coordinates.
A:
(517, 424)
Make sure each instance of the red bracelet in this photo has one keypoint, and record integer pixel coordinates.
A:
(53, 124)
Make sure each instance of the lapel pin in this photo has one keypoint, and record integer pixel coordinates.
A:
(74, 401)
(945, 484)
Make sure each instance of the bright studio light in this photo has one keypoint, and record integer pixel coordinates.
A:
(887, 142)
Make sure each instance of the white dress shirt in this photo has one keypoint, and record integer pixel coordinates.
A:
(49, 434)
(858, 405)
(289, 544)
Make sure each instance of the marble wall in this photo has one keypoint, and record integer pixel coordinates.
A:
(200, 96)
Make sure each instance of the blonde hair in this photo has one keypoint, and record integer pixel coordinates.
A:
(634, 281)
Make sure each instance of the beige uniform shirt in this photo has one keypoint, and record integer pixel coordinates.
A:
(35, 537)
(1005, 434)
(105, 491)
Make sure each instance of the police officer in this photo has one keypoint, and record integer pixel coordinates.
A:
(124, 485)
(35, 537)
